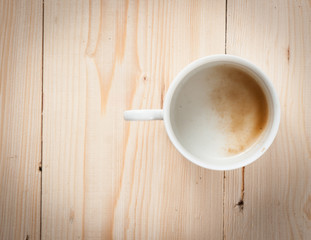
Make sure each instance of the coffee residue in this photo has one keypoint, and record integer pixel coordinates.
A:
(241, 105)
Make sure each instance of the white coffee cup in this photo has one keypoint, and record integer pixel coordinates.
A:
(192, 139)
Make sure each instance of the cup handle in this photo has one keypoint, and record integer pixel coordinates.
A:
(136, 115)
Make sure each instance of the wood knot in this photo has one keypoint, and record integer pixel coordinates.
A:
(240, 205)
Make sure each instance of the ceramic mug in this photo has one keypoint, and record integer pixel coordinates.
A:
(189, 131)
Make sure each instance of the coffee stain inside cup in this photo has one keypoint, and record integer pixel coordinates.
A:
(241, 105)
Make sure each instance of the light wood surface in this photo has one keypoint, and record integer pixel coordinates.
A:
(276, 36)
(105, 178)
(20, 118)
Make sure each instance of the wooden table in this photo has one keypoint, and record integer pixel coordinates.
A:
(72, 168)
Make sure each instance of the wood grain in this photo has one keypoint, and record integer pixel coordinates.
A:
(105, 178)
(20, 118)
(275, 191)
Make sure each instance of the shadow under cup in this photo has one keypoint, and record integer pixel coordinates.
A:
(222, 115)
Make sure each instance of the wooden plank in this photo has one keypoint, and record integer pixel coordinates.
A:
(276, 36)
(103, 177)
(20, 118)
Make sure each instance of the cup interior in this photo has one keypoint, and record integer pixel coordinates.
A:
(197, 129)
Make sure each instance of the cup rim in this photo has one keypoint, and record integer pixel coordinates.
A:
(215, 58)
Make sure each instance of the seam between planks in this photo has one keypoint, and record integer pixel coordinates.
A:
(226, 25)
(42, 80)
